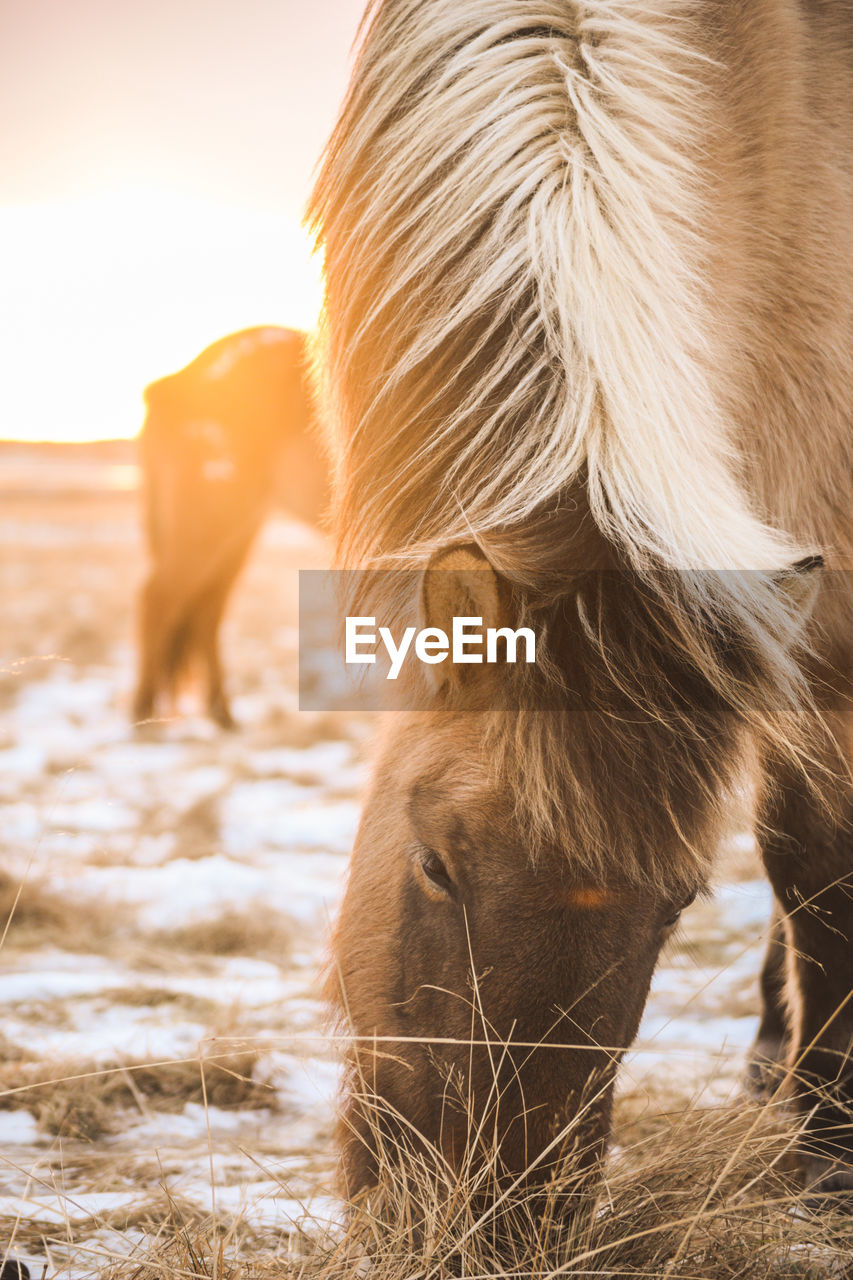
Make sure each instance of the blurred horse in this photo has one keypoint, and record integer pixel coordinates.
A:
(223, 440)
(589, 274)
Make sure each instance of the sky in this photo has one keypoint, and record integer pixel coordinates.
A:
(155, 162)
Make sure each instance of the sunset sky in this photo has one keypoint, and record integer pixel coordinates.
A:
(155, 161)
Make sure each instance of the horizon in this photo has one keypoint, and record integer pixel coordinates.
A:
(140, 224)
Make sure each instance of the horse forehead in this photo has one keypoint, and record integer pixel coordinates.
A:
(435, 752)
(457, 806)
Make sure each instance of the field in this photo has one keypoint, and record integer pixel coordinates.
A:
(167, 1091)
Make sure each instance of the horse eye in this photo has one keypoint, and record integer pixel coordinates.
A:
(435, 870)
(676, 916)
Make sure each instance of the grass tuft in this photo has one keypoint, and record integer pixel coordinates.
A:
(32, 914)
(89, 1101)
(258, 931)
(707, 1194)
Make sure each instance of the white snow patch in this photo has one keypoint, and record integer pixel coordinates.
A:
(129, 760)
(191, 1125)
(309, 1084)
(57, 983)
(716, 1036)
(325, 762)
(119, 1032)
(746, 906)
(24, 761)
(54, 1209)
(267, 1203)
(270, 814)
(185, 890)
(100, 816)
(22, 823)
(18, 1128)
(64, 693)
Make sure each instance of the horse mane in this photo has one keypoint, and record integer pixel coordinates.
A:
(519, 324)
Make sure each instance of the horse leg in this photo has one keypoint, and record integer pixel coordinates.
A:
(165, 596)
(771, 1041)
(206, 620)
(162, 641)
(149, 613)
(206, 623)
(153, 643)
(807, 847)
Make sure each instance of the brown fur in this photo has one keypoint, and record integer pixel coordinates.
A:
(639, 444)
(224, 439)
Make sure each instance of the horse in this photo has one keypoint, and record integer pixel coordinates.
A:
(223, 439)
(587, 357)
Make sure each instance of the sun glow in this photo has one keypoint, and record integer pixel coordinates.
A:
(103, 294)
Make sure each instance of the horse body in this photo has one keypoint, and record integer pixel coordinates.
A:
(780, 258)
(223, 439)
(589, 281)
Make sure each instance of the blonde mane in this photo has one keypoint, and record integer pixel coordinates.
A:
(527, 173)
(520, 325)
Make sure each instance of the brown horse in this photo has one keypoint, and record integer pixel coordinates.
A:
(223, 440)
(589, 334)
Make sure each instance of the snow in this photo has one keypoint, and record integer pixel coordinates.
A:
(17, 1128)
(24, 761)
(195, 1123)
(97, 815)
(43, 704)
(57, 1209)
(181, 825)
(103, 1034)
(308, 1083)
(60, 976)
(22, 823)
(278, 815)
(326, 762)
(681, 1038)
(185, 891)
(266, 1203)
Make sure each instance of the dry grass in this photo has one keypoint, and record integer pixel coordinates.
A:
(146, 1218)
(33, 915)
(260, 932)
(186, 1245)
(701, 1194)
(707, 1195)
(704, 1194)
(87, 1101)
(196, 831)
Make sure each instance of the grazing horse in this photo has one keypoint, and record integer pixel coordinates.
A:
(589, 356)
(222, 440)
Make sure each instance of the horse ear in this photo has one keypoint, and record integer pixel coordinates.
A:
(461, 583)
(162, 396)
(801, 583)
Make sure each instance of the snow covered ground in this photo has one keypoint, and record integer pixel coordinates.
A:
(175, 891)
